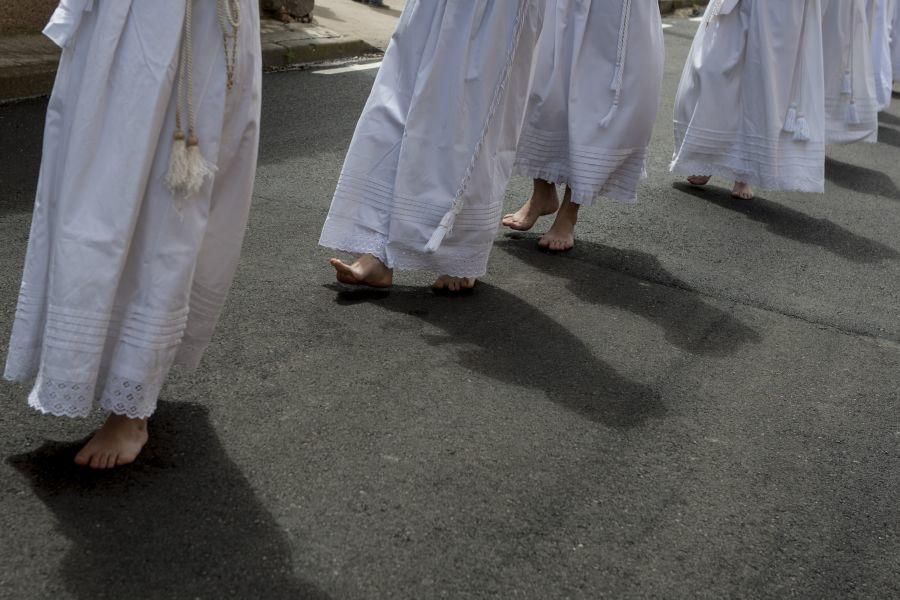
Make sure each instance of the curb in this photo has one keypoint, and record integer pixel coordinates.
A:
(32, 71)
(280, 55)
(19, 83)
(667, 7)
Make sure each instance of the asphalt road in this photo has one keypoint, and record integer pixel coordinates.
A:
(699, 401)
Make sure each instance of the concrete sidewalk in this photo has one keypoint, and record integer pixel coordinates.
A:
(28, 61)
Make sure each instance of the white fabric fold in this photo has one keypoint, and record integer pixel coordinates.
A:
(65, 20)
(749, 104)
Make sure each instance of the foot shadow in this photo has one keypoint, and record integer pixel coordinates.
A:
(888, 118)
(889, 136)
(182, 522)
(505, 338)
(689, 323)
(795, 225)
(860, 179)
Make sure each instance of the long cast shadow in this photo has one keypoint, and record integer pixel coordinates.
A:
(888, 118)
(507, 339)
(889, 136)
(180, 523)
(860, 179)
(795, 225)
(689, 323)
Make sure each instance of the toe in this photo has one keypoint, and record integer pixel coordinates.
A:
(82, 458)
(96, 461)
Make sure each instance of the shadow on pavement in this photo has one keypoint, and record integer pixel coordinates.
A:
(888, 118)
(503, 337)
(860, 179)
(690, 323)
(795, 225)
(182, 522)
(889, 136)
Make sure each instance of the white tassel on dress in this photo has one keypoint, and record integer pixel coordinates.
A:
(853, 114)
(619, 74)
(177, 163)
(790, 122)
(847, 84)
(445, 227)
(605, 121)
(197, 170)
(802, 134)
(188, 170)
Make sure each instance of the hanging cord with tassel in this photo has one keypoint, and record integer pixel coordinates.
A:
(848, 83)
(619, 74)
(188, 170)
(449, 219)
(795, 122)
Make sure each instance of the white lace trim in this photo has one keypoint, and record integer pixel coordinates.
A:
(615, 188)
(119, 395)
(374, 243)
(812, 182)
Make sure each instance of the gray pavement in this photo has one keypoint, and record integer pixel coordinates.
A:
(699, 401)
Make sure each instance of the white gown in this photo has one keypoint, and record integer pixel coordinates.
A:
(881, 15)
(851, 102)
(423, 182)
(749, 105)
(572, 135)
(117, 284)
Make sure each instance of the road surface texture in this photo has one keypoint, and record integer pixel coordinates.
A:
(699, 401)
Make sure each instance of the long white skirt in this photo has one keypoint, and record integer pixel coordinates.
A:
(881, 15)
(572, 135)
(753, 68)
(434, 148)
(116, 283)
(851, 103)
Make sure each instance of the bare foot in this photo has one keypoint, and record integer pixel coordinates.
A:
(543, 201)
(561, 236)
(698, 179)
(117, 443)
(366, 270)
(453, 284)
(742, 190)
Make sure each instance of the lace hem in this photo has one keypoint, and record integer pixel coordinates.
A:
(376, 244)
(796, 182)
(613, 188)
(119, 395)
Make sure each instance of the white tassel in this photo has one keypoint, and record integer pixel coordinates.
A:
(790, 122)
(853, 114)
(197, 170)
(802, 134)
(177, 164)
(605, 121)
(445, 227)
(847, 84)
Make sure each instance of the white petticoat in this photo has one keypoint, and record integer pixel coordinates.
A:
(117, 285)
(588, 51)
(851, 102)
(438, 136)
(753, 65)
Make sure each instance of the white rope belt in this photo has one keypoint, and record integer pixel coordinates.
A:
(188, 170)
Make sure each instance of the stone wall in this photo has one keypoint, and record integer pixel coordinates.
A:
(21, 16)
